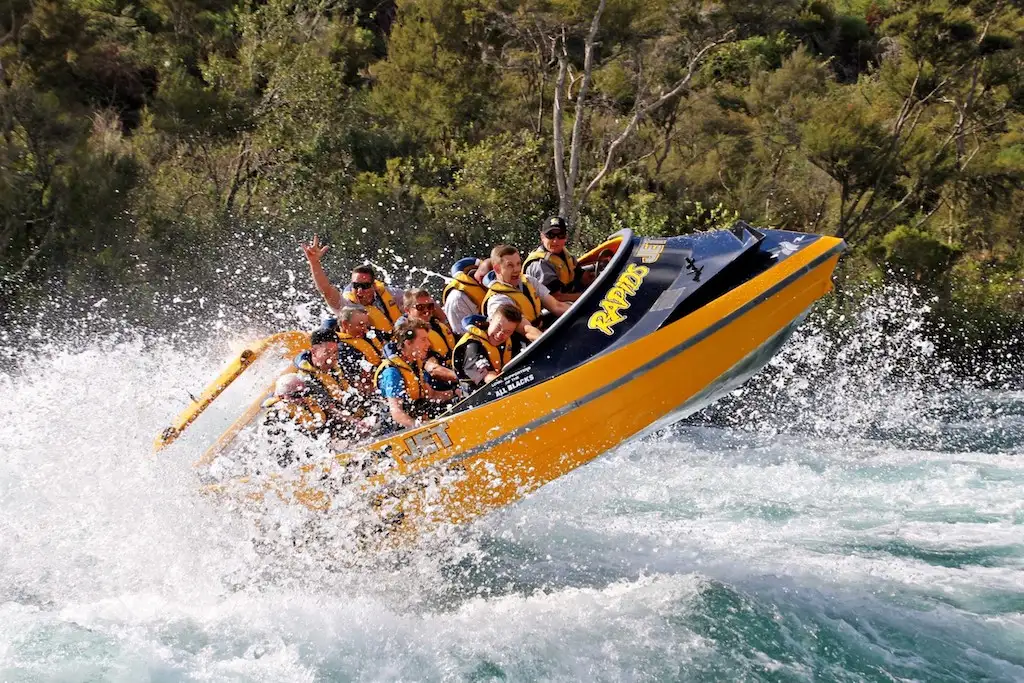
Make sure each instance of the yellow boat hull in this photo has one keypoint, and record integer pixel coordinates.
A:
(461, 466)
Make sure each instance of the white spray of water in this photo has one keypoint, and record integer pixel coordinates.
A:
(707, 554)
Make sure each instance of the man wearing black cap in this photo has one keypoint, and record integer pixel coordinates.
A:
(552, 265)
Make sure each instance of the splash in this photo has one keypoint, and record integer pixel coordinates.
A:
(796, 530)
(870, 364)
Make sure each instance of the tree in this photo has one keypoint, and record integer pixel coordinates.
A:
(436, 85)
(657, 65)
(266, 120)
(905, 136)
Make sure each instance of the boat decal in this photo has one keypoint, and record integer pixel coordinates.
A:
(691, 266)
(426, 442)
(787, 248)
(514, 384)
(669, 299)
(650, 250)
(617, 299)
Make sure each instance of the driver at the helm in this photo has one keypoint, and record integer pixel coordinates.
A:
(552, 265)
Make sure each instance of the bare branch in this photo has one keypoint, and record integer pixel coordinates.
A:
(643, 109)
(559, 143)
(577, 126)
(850, 220)
(931, 213)
(27, 263)
(659, 160)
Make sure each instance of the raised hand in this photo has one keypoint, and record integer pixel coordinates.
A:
(485, 267)
(314, 250)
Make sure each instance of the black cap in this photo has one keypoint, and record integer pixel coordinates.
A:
(555, 222)
(323, 335)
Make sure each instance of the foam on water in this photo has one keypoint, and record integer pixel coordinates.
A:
(854, 513)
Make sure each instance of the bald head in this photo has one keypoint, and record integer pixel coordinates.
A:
(289, 385)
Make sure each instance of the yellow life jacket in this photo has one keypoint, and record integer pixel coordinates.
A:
(379, 320)
(465, 282)
(413, 377)
(371, 349)
(500, 356)
(442, 339)
(330, 382)
(524, 296)
(564, 264)
(303, 411)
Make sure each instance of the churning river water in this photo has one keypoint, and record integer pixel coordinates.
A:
(852, 514)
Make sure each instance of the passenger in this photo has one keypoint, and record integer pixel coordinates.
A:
(358, 354)
(292, 406)
(318, 367)
(419, 305)
(380, 301)
(512, 287)
(552, 265)
(292, 402)
(464, 294)
(301, 401)
(482, 352)
(400, 379)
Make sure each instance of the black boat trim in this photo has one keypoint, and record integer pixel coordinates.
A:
(643, 369)
(622, 254)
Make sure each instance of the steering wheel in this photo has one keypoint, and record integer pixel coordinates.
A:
(603, 259)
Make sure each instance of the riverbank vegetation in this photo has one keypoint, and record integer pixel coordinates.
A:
(139, 135)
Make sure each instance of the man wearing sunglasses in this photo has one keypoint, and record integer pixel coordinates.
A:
(552, 265)
(380, 301)
(419, 305)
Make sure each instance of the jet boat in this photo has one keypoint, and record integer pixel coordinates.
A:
(668, 326)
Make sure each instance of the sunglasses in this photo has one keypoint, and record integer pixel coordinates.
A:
(556, 235)
(424, 308)
(361, 285)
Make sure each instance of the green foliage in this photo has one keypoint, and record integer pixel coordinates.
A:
(988, 289)
(497, 192)
(641, 212)
(739, 61)
(435, 85)
(918, 253)
(139, 129)
(718, 217)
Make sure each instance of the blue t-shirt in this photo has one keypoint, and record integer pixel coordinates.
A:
(390, 384)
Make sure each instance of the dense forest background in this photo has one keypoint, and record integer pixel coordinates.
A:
(145, 140)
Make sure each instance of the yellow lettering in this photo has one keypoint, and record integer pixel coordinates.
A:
(635, 274)
(600, 321)
(611, 312)
(617, 299)
(616, 295)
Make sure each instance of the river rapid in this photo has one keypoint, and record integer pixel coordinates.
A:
(854, 513)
